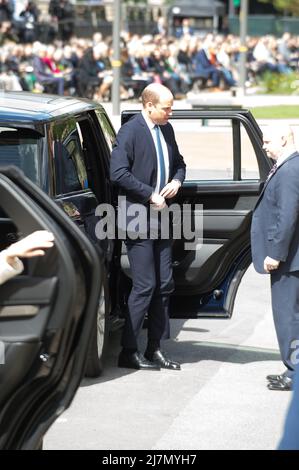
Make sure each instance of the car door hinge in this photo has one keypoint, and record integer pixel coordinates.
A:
(47, 359)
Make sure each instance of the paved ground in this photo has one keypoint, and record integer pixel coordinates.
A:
(218, 400)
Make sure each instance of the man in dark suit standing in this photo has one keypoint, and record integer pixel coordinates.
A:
(148, 169)
(275, 245)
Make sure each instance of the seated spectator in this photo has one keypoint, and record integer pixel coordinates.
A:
(44, 75)
(9, 81)
(7, 33)
(223, 59)
(133, 78)
(93, 78)
(264, 56)
(203, 67)
(162, 73)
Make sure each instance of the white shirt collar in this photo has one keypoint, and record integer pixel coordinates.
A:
(148, 121)
(284, 156)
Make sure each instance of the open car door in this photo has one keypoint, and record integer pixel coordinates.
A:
(46, 315)
(226, 166)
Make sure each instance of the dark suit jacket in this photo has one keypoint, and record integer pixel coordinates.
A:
(275, 221)
(133, 164)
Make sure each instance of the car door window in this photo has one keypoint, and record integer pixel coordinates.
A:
(249, 165)
(69, 163)
(107, 129)
(96, 156)
(22, 148)
(207, 148)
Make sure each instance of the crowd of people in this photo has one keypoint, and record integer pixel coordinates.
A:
(82, 67)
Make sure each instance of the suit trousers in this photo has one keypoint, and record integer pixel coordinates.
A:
(152, 284)
(285, 307)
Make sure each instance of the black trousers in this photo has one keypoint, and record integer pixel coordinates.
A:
(151, 268)
(285, 307)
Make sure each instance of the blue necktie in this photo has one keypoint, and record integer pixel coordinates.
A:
(160, 159)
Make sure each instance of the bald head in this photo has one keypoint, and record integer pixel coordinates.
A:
(279, 131)
(278, 140)
(154, 93)
(157, 101)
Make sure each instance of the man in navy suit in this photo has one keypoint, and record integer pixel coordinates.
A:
(148, 169)
(275, 245)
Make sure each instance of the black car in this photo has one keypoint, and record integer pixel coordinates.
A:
(63, 146)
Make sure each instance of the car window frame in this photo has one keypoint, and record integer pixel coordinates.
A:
(55, 192)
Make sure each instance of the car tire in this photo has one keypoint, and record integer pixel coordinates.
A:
(99, 338)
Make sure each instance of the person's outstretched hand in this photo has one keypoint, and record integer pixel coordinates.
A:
(34, 244)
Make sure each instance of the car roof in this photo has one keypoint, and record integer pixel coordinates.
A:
(24, 107)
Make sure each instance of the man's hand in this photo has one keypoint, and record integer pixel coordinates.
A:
(171, 189)
(30, 246)
(157, 201)
(270, 264)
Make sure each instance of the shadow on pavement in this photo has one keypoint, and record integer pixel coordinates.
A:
(186, 352)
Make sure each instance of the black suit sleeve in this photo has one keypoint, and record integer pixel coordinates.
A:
(121, 164)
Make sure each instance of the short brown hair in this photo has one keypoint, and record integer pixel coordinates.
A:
(149, 95)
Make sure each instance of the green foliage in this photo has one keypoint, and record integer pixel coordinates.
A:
(289, 6)
(280, 84)
(276, 112)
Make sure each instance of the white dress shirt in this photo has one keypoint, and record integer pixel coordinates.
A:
(151, 127)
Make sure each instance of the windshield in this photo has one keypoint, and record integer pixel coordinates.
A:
(22, 148)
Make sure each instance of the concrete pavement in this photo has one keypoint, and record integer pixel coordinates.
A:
(218, 400)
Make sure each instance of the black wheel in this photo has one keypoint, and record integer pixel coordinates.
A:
(98, 340)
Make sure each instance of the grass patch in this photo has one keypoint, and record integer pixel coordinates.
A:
(276, 112)
(280, 83)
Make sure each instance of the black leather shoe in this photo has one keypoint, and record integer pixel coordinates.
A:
(283, 384)
(160, 358)
(135, 361)
(276, 378)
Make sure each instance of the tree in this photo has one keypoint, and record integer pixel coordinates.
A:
(289, 6)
